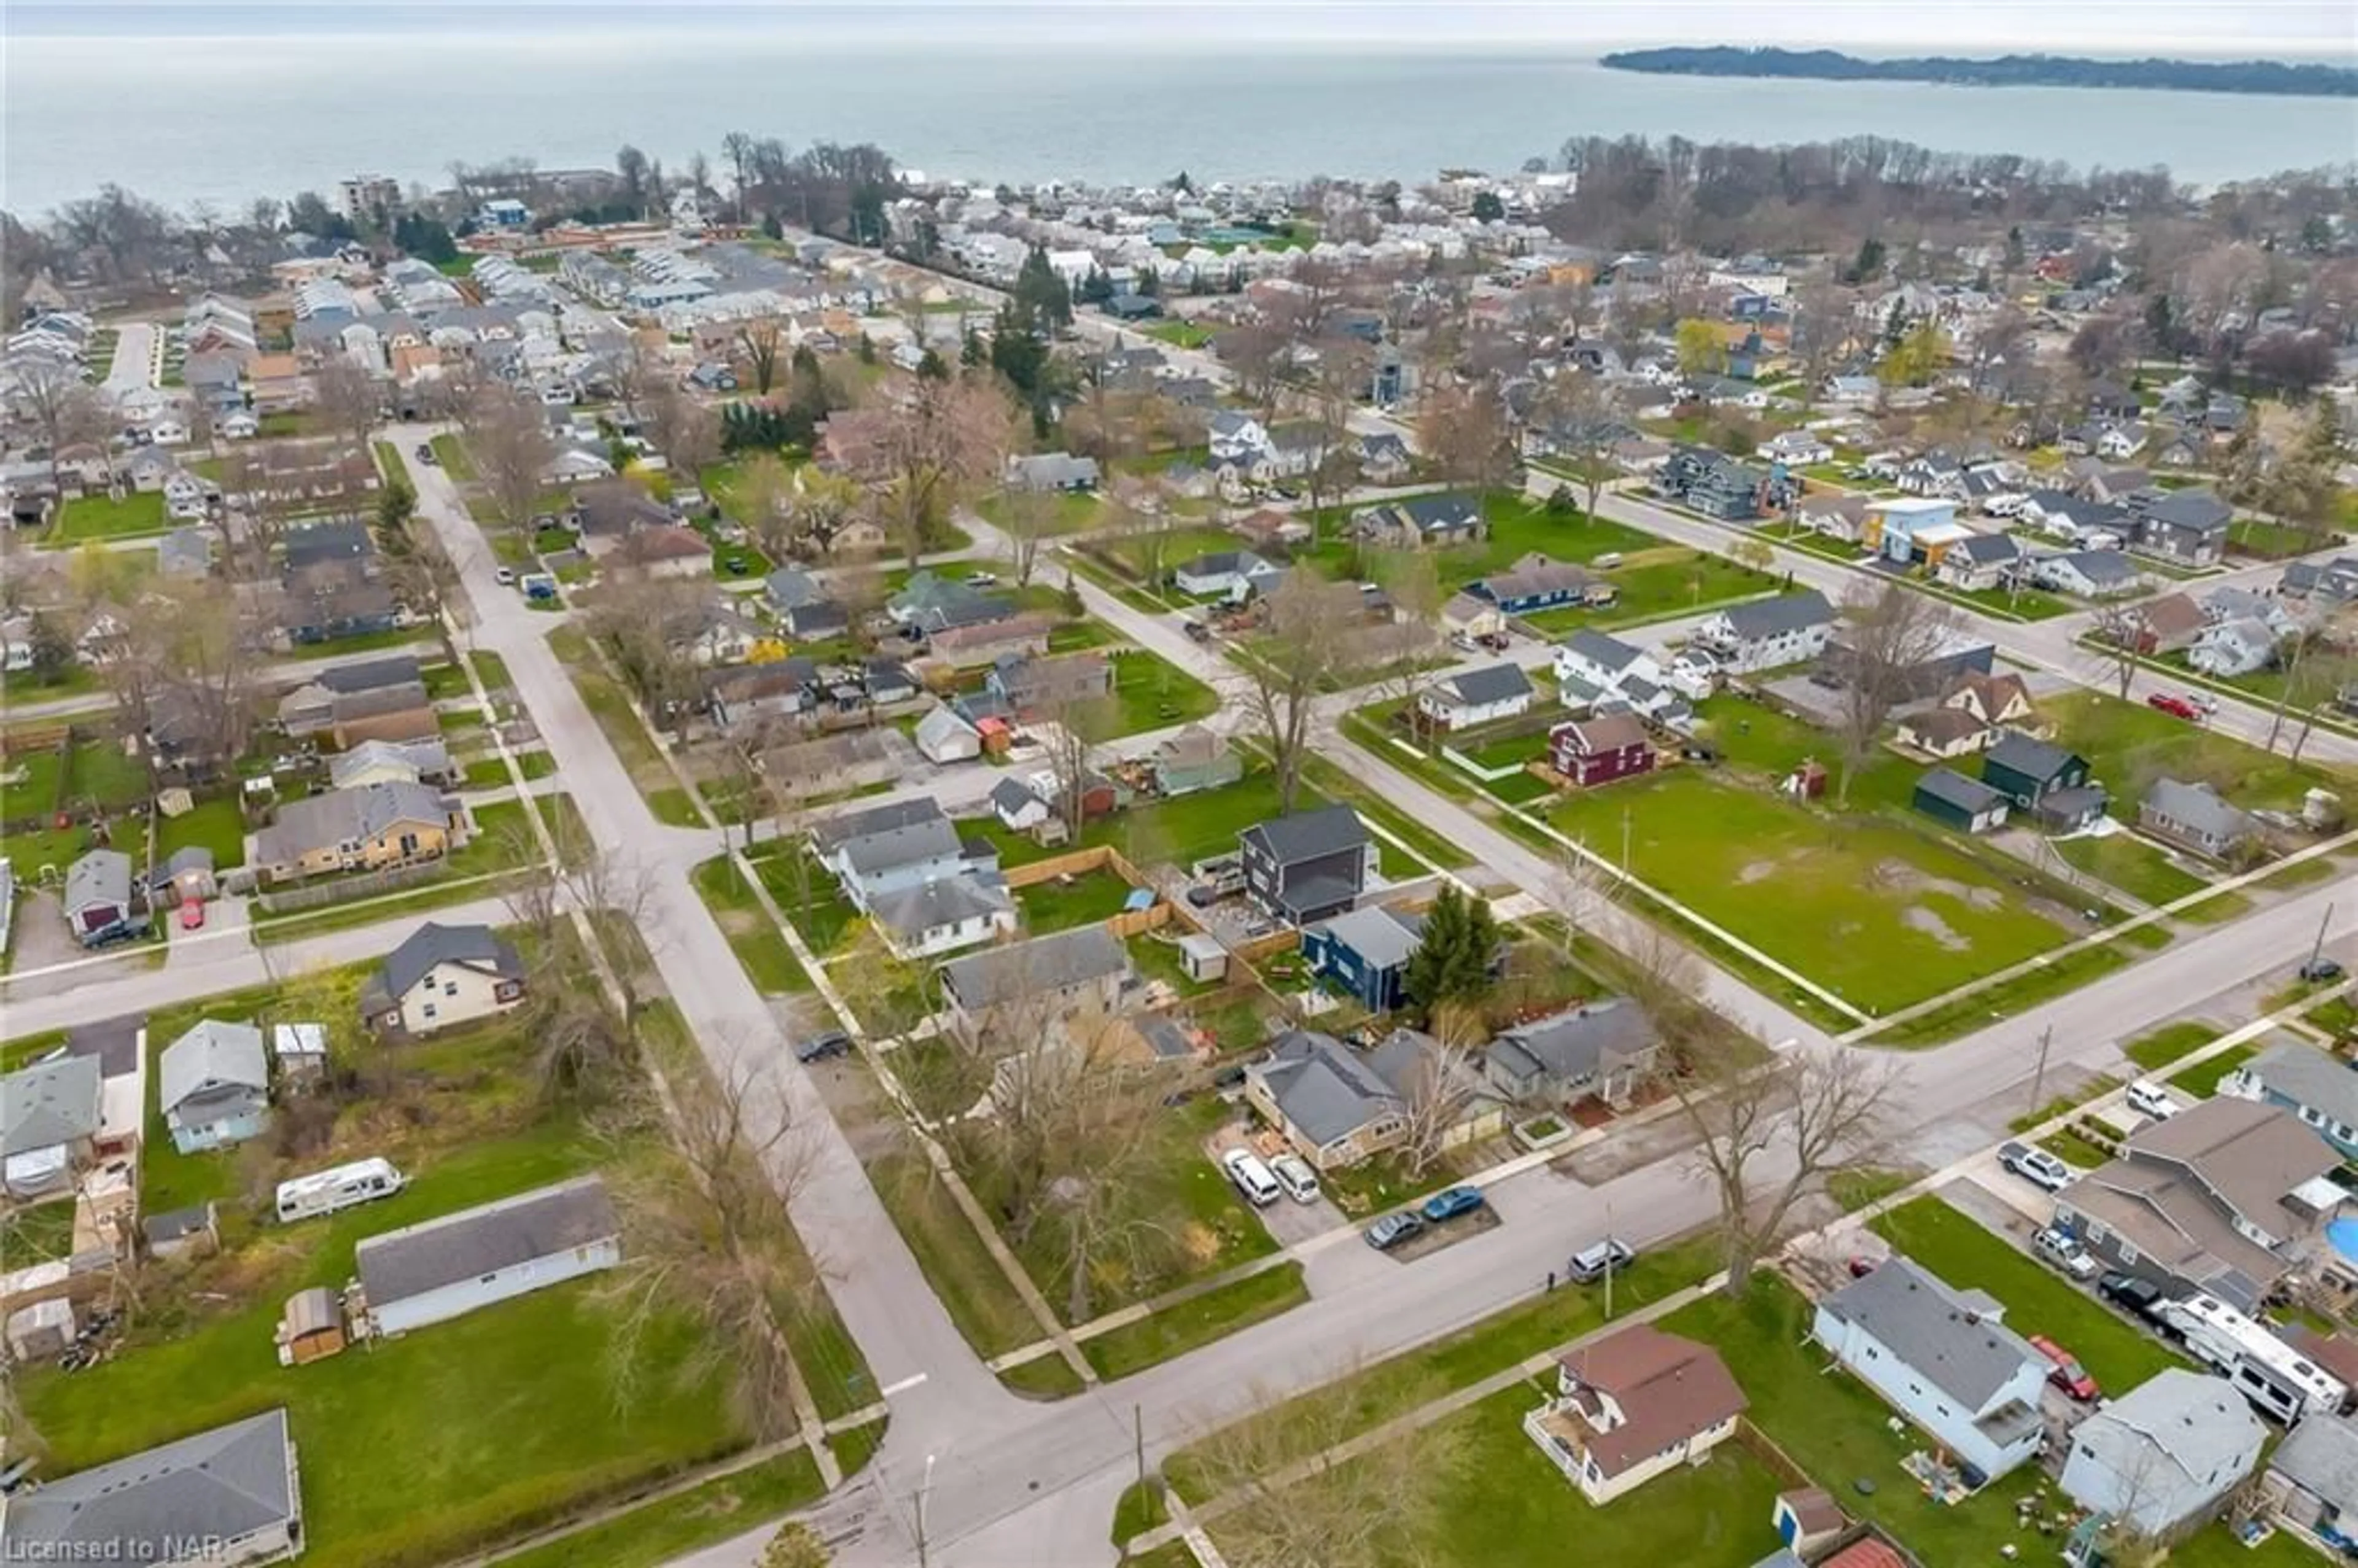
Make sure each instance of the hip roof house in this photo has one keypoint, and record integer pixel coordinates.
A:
(234, 1488)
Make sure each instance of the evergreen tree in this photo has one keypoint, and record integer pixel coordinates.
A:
(1451, 962)
(1488, 208)
(933, 367)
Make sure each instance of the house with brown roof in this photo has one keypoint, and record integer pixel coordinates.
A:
(2166, 624)
(2223, 1199)
(276, 384)
(1633, 1405)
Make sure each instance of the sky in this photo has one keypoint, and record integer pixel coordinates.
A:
(2261, 30)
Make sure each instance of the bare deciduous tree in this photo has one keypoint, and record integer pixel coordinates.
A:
(705, 1234)
(1309, 624)
(1888, 634)
(2116, 641)
(1467, 432)
(1575, 420)
(507, 435)
(650, 626)
(939, 438)
(1771, 1130)
(1027, 516)
(762, 343)
(1067, 1124)
(350, 400)
(1303, 1483)
(64, 410)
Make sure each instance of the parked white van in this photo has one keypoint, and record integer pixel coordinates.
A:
(325, 1192)
(1252, 1178)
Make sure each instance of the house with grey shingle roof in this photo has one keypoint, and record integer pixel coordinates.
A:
(214, 1083)
(2195, 817)
(232, 1487)
(1765, 633)
(439, 1270)
(2165, 1455)
(442, 976)
(375, 825)
(1050, 976)
(1599, 1048)
(1329, 1102)
(2319, 1088)
(1469, 697)
(48, 1123)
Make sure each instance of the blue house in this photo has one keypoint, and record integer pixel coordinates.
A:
(215, 1087)
(1365, 952)
(2312, 1085)
(1540, 582)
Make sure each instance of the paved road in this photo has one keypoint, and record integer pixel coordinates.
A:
(134, 369)
(279, 675)
(201, 963)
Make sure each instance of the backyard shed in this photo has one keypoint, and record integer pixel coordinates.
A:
(41, 1331)
(312, 1327)
(1203, 958)
(1967, 805)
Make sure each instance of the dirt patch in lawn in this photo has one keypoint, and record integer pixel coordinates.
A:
(1661, 555)
(1899, 877)
(1918, 918)
(1756, 871)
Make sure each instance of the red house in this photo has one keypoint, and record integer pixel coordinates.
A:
(1598, 751)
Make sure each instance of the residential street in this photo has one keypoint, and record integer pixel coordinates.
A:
(1015, 1483)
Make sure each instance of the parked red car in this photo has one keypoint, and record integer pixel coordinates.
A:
(192, 914)
(2068, 1375)
(2175, 705)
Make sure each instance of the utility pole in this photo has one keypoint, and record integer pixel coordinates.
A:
(1610, 1252)
(1138, 1438)
(2317, 949)
(2038, 1078)
(923, 1488)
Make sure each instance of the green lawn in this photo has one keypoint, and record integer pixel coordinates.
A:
(104, 776)
(971, 1286)
(1878, 913)
(2037, 1299)
(1062, 903)
(2130, 864)
(215, 824)
(1152, 693)
(75, 680)
(31, 787)
(817, 906)
(2274, 540)
(2202, 1079)
(491, 772)
(655, 1532)
(498, 1434)
(1510, 1507)
(1856, 1189)
(456, 461)
(769, 963)
(2130, 744)
(619, 721)
(2012, 998)
(101, 517)
(1178, 1329)
(2166, 1044)
(1836, 1429)
(345, 916)
(1072, 511)
(1180, 333)
(1541, 1323)
(36, 1233)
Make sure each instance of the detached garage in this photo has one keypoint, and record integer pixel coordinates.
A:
(1969, 805)
(444, 1268)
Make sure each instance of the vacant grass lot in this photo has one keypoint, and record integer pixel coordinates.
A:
(658, 1531)
(1152, 693)
(100, 517)
(2038, 1299)
(497, 1433)
(1881, 915)
(2130, 864)
(2130, 744)
(1511, 1507)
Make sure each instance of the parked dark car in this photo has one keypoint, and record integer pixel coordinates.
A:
(2321, 971)
(821, 1047)
(2131, 1294)
(426, 455)
(1449, 1205)
(1393, 1230)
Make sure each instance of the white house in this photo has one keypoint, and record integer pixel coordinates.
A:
(1768, 632)
(943, 916)
(1632, 1406)
(443, 1268)
(2231, 648)
(1471, 697)
(443, 976)
(1943, 1358)
(2166, 1454)
(1239, 438)
(2091, 574)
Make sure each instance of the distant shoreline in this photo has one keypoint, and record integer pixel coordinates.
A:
(2260, 76)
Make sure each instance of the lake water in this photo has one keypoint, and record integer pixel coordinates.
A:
(228, 119)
